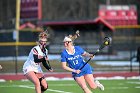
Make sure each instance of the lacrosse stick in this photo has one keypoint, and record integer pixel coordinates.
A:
(107, 42)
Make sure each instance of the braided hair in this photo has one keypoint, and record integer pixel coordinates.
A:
(75, 36)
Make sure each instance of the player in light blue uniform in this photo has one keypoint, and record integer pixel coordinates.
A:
(72, 60)
(76, 61)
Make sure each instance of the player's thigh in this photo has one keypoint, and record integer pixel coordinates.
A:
(90, 80)
(39, 75)
(32, 77)
(81, 81)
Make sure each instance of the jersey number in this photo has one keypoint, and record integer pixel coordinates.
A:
(75, 62)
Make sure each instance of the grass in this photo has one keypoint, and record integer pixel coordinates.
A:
(111, 86)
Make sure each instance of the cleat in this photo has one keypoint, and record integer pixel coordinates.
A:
(99, 85)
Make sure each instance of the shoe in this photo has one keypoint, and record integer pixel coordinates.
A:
(99, 85)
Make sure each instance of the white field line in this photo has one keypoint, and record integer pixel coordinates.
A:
(134, 82)
(25, 86)
(121, 87)
(62, 84)
(117, 88)
(137, 87)
(57, 91)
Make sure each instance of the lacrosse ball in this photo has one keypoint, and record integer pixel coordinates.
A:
(106, 43)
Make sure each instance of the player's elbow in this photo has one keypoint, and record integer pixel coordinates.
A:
(64, 67)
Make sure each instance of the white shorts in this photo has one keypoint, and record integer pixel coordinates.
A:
(30, 68)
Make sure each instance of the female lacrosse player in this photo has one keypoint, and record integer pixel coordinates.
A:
(32, 69)
(72, 55)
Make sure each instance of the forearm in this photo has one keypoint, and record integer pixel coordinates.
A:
(87, 54)
(68, 68)
(46, 65)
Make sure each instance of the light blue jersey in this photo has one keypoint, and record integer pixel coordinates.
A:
(76, 61)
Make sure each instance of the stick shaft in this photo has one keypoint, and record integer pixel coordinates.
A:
(90, 59)
(44, 52)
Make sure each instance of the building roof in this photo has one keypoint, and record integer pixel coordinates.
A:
(79, 23)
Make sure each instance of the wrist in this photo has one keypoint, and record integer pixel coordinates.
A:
(87, 54)
(74, 71)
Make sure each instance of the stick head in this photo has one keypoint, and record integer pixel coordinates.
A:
(107, 41)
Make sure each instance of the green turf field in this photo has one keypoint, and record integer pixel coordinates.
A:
(111, 86)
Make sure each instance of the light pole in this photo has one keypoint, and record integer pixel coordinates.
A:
(17, 31)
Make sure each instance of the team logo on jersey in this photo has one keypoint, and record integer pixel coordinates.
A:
(75, 57)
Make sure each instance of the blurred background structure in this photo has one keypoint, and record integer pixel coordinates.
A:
(21, 20)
